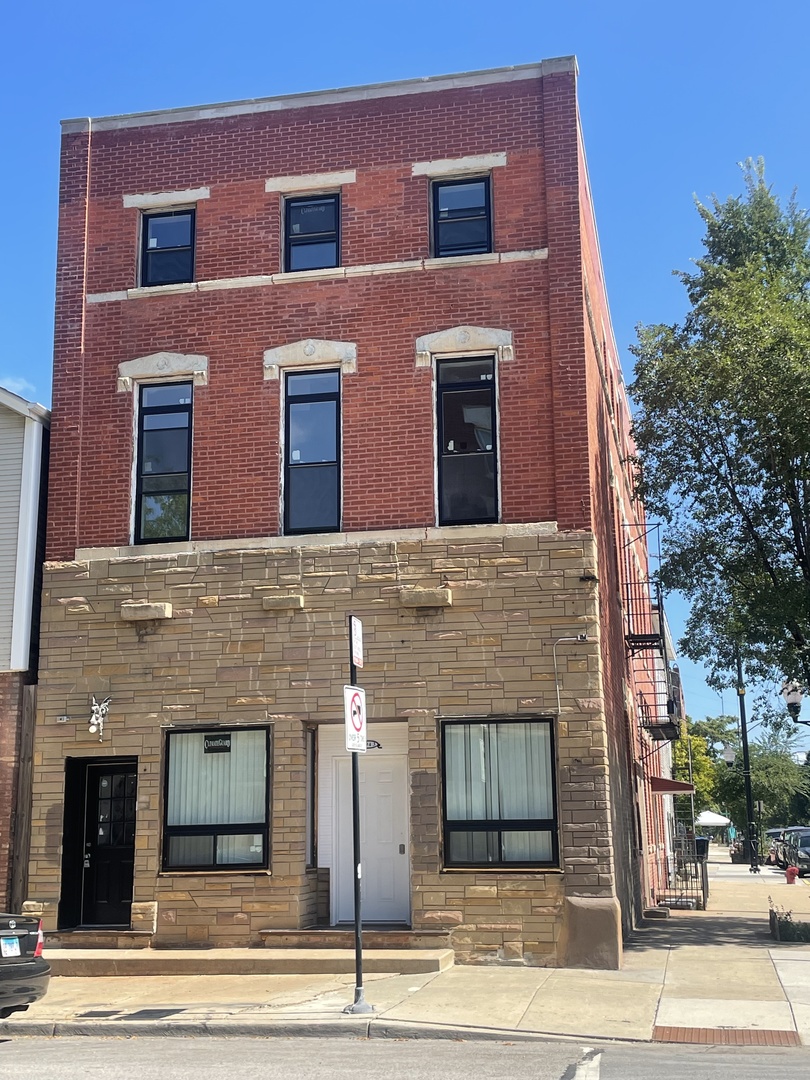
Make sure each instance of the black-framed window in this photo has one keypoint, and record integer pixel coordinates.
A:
(468, 468)
(312, 233)
(462, 217)
(167, 255)
(163, 474)
(499, 793)
(312, 452)
(217, 799)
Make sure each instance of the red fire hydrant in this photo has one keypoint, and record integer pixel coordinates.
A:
(791, 874)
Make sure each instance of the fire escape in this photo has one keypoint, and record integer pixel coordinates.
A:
(655, 681)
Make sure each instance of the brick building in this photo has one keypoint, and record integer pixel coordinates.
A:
(342, 352)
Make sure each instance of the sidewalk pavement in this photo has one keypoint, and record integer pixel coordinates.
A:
(710, 976)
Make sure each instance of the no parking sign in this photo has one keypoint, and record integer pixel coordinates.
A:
(354, 714)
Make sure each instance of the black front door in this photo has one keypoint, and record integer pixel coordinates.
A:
(99, 843)
(109, 844)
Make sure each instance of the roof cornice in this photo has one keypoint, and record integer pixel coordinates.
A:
(431, 84)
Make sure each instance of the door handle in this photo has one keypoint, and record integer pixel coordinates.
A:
(402, 849)
(87, 862)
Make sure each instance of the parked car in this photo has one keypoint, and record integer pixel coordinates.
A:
(783, 846)
(773, 839)
(803, 853)
(797, 849)
(24, 973)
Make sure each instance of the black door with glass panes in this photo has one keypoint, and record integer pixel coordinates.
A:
(108, 857)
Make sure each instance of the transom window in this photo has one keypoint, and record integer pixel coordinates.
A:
(467, 458)
(499, 793)
(217, 799)
(311, 232)
(167, 257)
(462, 217)
(312, 454)
(163, 479)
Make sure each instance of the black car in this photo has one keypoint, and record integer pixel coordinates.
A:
(798, 850)
(24, 974)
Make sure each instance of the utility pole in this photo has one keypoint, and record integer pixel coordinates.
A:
(751, 831)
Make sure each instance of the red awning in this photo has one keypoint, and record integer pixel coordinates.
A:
(661, 786)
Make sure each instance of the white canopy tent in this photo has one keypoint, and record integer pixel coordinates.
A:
(709, 817)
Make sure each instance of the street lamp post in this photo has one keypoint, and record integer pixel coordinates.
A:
(751, 831)
(793, 694)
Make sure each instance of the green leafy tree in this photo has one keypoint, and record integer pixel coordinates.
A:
(718, 732)
(799, 813)
(704, 768)
(723, 437)
(776, 781)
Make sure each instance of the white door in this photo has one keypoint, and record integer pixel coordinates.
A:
(385, 880)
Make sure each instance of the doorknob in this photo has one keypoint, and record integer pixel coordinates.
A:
(402, 849)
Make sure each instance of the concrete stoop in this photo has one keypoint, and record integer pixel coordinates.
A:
(343, 938)
(266, 961)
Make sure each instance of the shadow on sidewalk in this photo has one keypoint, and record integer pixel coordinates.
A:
(701, 928)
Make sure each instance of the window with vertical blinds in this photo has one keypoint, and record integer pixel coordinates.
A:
(499, 793)
(217, 799)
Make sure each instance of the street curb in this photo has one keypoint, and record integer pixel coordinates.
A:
(348, 1028)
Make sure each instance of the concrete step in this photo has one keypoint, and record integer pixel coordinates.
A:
(332, 937)
(267, 961)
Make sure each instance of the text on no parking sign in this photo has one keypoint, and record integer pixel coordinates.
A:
(354, 714)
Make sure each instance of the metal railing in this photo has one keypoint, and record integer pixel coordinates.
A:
(683, 876)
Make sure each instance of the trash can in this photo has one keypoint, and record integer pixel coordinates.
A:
(702, 847)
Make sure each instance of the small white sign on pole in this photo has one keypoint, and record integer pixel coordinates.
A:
(357, 642)
(354, 714)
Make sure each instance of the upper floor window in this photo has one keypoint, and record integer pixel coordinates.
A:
(312, 233)
(468, 474)
(462, 217)
(167, 257)
(312, 455)
(163, 470)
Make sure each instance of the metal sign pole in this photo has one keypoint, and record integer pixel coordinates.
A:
(359, 1005)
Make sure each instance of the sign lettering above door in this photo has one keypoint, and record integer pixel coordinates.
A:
(217, 744)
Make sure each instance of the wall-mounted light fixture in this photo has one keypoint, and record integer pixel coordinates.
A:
(98, 714)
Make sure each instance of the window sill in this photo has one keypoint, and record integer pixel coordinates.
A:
(219, 872)
(462, 260)
(502, 871)
(162, 290)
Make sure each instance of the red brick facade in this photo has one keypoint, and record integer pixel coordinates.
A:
(544, 440)
(562, 464)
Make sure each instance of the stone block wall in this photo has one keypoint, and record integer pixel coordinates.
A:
(224, 658)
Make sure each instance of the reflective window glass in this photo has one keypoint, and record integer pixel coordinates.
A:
(462, 217)
(312, 233)
(163, 463)
(312, 440)
(167, 254)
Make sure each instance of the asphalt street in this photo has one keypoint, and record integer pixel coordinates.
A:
(308, 1059)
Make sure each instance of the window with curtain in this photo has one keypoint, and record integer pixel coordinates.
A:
(499, 794)
(217, 799)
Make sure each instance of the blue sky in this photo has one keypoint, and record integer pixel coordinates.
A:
(672, 95)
